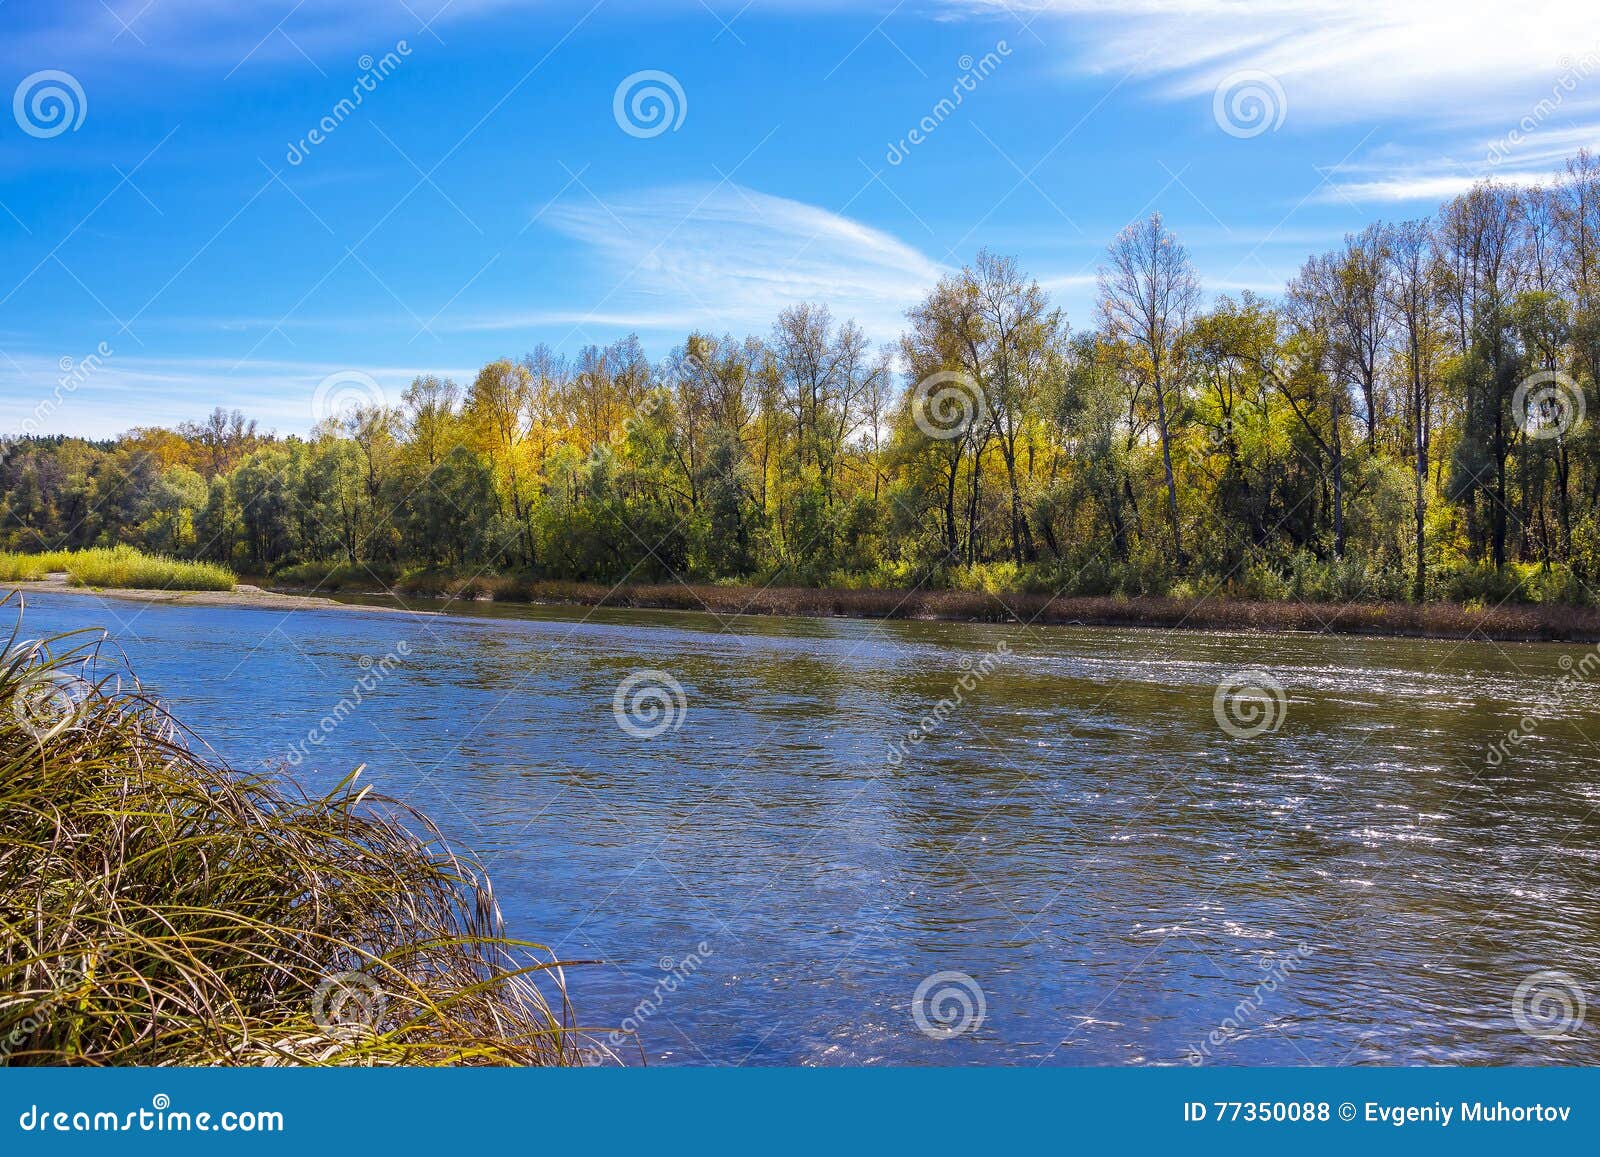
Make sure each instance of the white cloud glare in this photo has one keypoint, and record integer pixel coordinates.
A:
(733, 258)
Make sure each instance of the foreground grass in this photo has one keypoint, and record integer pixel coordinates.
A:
(158, 908)
(117, 568)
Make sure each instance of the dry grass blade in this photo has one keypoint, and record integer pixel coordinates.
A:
(158, 908)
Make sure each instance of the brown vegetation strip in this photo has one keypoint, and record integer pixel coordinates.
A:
(1435, 620)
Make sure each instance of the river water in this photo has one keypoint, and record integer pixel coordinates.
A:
(844, 842)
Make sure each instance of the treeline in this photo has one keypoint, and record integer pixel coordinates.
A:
(1406, 421)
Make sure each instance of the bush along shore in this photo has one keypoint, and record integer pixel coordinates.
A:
(1508, 621)
(158, 907)
(116, 567)
(1509, 616)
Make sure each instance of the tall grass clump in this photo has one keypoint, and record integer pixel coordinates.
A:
(157, 907)
(124, 567)
(20, 568)
(118, 567)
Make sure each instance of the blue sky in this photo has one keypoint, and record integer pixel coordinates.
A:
(484, 195)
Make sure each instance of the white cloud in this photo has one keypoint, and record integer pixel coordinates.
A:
(240, 33)
(101, 398)
(678, 322)
(1534, 152)
(732, 258)
(1337, 59)
(1429, 188)
(1496, 86)
(1056, 283)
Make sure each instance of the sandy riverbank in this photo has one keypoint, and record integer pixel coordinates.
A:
(242, 595)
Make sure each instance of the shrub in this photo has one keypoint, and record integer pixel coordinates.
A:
(118, 567)
(1479, 584)
(334, 576)
(1555, 583)
(158, 908)
(1263, 582)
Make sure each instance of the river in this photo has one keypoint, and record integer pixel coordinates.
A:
(782, 848)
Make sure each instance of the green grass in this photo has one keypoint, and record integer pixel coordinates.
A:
(16, 567)
(157, 907)
(324, 577)
(117, 567)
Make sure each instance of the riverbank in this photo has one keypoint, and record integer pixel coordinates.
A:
(1521, 623)
(242, 595)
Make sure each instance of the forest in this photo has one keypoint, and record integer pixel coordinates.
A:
(1405, 422)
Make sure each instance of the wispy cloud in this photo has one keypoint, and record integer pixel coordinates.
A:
(1494, 87)
(1533, 151)
(1337, 59)
(204, 34)
(732, 258)
(45, 395)
(1421, 187)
